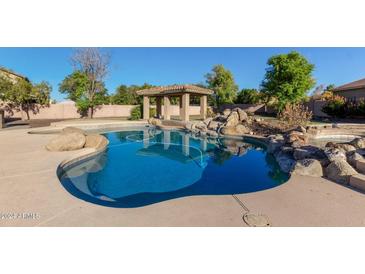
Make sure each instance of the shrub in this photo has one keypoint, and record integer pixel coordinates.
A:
(153, 112)
(335, 106)
(248, 96)
(338, 106)
(210, 112)
(295, 115)
(136, 113)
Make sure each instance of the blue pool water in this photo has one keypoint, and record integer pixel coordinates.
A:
(146, 166)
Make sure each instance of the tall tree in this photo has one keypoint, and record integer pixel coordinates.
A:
(94, 65)
(288, 78)
(76, 87)
(23, 95)
(221, 81)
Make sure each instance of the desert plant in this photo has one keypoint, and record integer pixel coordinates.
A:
(295, 115)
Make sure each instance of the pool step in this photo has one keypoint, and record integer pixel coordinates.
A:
(358, 181)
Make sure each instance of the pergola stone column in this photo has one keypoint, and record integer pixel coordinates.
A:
(146, 107)
(166, 108)
(203, 106)
(184, 109)
(2, 119)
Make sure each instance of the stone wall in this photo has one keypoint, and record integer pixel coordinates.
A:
(316, 107)
(69, 111)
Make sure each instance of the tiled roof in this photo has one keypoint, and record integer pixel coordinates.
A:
(353, 85)
(175, 89)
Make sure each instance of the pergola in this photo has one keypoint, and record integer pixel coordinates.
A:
(165, 93)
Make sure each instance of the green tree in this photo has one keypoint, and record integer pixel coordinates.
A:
(221, 81)
(248, 96)
(23, 95)
(126, 95)
(76, 87)
(288, 79)
(330, 87)
(94, 65)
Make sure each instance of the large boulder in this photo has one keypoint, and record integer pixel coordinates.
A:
(73, 130)
(340, 171)
(242, 115)
(308, 152)
(358, 142)
(334, 154)
(342, 146)
(353, 157)
(241, 129)
(308, 167)
(296, 138)
(274, 146)
(235, 130)
(285, 161)
(66, 142)
(232, 120)
(96, 141)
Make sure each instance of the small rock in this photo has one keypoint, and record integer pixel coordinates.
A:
(227, 112)
(207, 121)
(212, 133)
(308, 167)
(154, 121)
(214, 125)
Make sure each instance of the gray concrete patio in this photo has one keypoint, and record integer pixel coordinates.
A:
(29, 185)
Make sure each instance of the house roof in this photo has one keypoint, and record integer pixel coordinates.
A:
(8, 71)
(353, 85)
(174, 89)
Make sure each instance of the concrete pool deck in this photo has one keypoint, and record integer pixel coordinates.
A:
(31, 195)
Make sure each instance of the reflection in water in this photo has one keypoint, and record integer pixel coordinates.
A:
(149, 166)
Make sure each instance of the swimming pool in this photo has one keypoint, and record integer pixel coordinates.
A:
(146, 166)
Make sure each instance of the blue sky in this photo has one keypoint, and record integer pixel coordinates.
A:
(163, 66)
